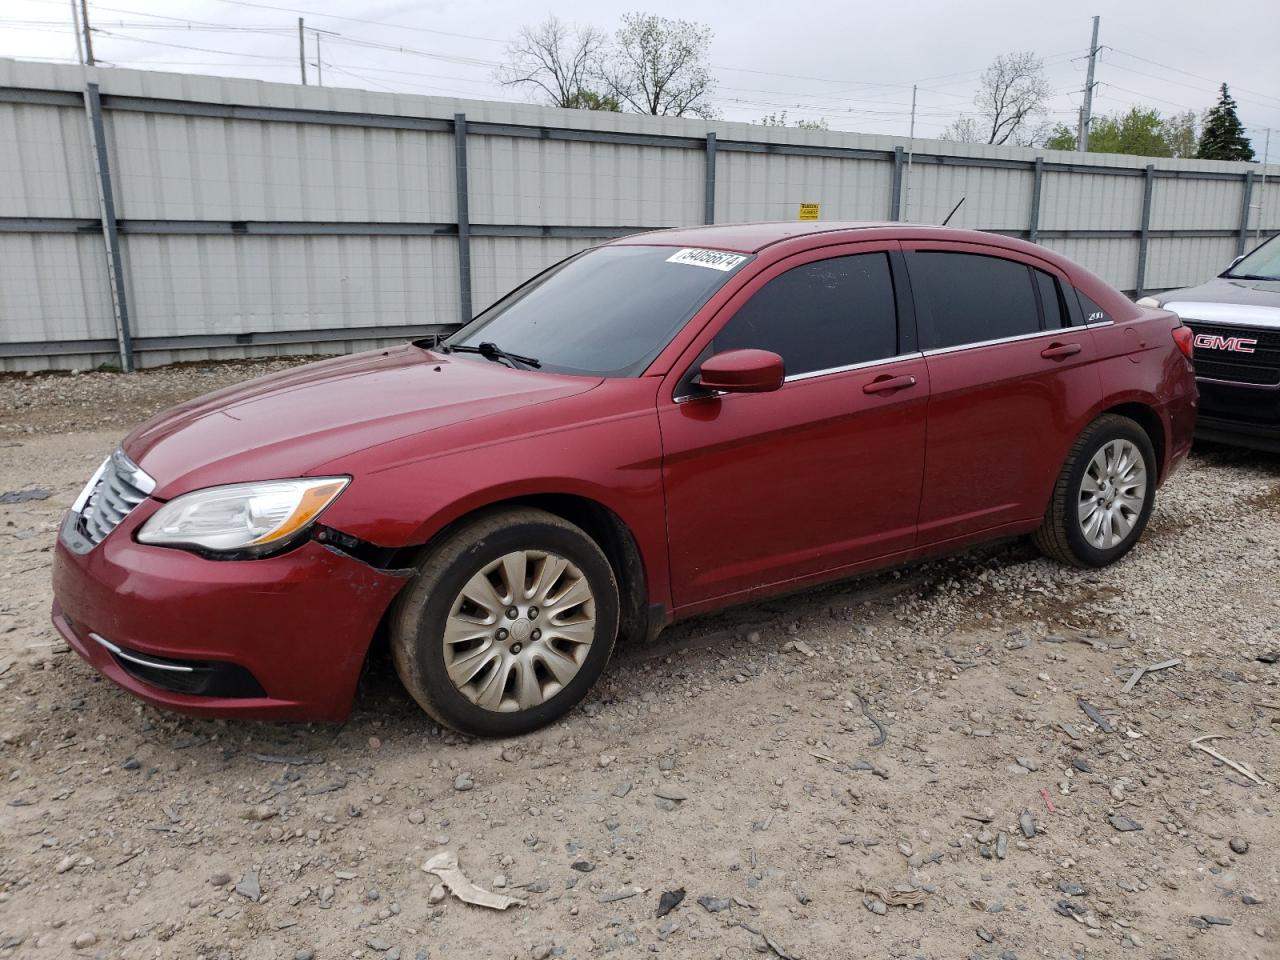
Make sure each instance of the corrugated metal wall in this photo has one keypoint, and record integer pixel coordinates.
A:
(260, 218)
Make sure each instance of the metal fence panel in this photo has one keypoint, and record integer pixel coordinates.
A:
(228, 284)
(1091, 201)
(199, 168)
(53, 287)
(534, 182)
(753, 186)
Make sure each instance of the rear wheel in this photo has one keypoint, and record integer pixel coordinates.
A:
(510, 621)
(1103, 497)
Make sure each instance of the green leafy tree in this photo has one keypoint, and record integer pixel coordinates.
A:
(1180, 131)
(1137, 133)
(660, 66)
(1140, 132)
(584, 99)
(1223, 135)
(1061, 137)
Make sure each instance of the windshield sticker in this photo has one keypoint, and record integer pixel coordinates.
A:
(713, 259)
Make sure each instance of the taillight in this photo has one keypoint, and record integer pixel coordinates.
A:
(1184, 338)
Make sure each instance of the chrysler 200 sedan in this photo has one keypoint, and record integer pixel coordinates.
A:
(660, 426)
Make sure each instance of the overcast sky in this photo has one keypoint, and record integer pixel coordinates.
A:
(849, 63)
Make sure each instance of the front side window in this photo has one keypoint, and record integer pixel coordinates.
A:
(820, 316)
(606, 312)
(966, 298)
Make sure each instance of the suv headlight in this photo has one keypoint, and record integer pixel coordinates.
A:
(253, 518)
(1148, 302)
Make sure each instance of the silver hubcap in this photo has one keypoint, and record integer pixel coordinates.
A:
(1112, 493)
(519, 631)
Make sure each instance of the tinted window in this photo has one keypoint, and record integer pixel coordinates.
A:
(968, 298)
(1092, 312)
(1050, 301)
(608, 311)
(826, 314)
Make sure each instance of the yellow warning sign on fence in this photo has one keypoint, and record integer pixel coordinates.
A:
(810, 211)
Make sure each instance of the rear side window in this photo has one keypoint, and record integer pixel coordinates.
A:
(823, 315)
(1055, 316)
(971, 298)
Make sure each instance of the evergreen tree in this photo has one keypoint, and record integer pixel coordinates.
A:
(1223, 135)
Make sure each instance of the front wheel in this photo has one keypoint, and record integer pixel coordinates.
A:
(1103, 497)
(511, 619)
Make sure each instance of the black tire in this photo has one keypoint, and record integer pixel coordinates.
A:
(419, 615)
(1061, 536)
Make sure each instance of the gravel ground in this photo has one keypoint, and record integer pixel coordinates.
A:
(732, 760)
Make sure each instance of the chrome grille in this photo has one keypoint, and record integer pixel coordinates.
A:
(117, 487)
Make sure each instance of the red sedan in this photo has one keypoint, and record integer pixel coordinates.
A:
(661, 426)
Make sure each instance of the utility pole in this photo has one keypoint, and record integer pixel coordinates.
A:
(1262, 192)
(1086, 115)
(911, 145)
(302, 53)
(88, 34)
(319, 66)
(75, 28)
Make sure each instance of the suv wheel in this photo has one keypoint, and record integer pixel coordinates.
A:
(511, 619)
(1103, 497)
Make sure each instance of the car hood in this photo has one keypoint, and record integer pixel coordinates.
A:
(287, 424)
(1247, 303)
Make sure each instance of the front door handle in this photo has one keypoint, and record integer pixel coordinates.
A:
(1060, 351)
(885, 384)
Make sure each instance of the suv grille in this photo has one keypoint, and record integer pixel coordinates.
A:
(111, 495)
(1260, 368)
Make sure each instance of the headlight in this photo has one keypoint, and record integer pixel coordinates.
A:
(249, 517)
(1148, 302)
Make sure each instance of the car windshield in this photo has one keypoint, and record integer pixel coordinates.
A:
(606, 312)
(1262, 264)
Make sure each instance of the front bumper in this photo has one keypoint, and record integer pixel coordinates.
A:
(1240, 433)
(1239, 414)
(282, 638)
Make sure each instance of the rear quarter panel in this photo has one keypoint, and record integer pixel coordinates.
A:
(1139, 362)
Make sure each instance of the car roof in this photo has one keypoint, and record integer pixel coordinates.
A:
(754, 237)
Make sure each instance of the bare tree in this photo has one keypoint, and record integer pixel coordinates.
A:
(1010, 103)
(659, 66)
(560, 62)
(780, 120)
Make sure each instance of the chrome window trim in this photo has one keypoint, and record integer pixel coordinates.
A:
(811, 374)
(863, 365)
(140, 661)
(1039, 334)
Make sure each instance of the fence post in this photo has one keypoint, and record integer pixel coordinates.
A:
(1033, 229)
(895, 191)
(464, 216)
(709, 190)
(1144, 231)
(110, 228)
(1243, 239)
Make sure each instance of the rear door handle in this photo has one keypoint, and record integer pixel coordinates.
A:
(885, 384)
(1060, 351)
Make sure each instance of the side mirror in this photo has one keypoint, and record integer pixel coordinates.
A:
(742, 371)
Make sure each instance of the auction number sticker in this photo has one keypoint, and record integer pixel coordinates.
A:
(712, 259)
